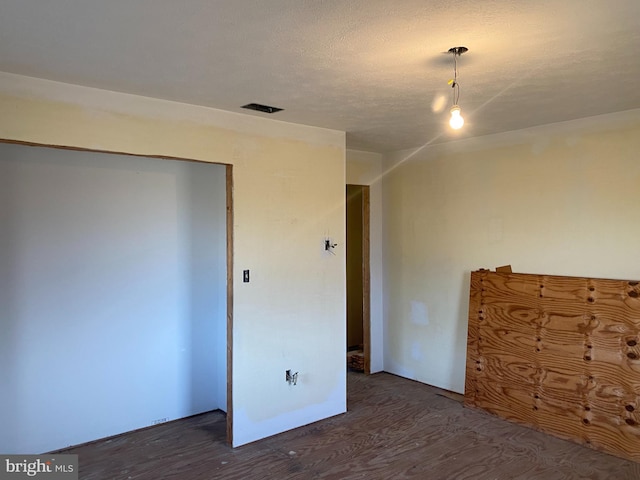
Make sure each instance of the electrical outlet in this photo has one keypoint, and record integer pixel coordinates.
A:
(291, 378)
(160, 420)
(245, 276)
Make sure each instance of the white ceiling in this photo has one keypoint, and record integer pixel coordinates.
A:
(372, 68)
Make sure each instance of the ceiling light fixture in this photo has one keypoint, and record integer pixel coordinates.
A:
(456, 121)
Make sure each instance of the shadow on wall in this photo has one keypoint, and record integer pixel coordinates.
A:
(204, 216)
(9, 308)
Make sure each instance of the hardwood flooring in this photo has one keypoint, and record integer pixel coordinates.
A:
(394, 429)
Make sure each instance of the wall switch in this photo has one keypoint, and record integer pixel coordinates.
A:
(245, 276)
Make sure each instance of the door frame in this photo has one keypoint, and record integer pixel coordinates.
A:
(229, 188)
(366, 279)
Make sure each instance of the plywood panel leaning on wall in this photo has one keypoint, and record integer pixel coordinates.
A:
(560, 354)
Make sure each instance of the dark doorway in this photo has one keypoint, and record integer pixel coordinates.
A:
(358, 301)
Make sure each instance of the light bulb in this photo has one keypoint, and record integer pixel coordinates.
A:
(456, 121)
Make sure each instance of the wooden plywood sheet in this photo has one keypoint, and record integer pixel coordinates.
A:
(560, 354)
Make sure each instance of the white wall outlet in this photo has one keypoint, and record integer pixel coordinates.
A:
(291, 378)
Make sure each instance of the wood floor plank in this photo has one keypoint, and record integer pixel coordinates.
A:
(394, 429)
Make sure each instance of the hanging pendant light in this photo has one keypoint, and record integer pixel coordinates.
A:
(456, 121)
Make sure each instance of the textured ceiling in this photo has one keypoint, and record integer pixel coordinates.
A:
(372, 68)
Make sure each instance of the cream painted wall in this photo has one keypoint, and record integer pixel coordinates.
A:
(365, 168)
(559, 199)
(288, 194)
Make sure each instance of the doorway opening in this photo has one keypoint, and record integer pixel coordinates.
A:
(107, 232)
(358, 281)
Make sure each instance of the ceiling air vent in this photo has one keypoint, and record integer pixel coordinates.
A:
(262, 108)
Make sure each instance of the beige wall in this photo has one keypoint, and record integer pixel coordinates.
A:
(288, 194)
(559, 199)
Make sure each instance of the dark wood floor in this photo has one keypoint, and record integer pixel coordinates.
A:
(395, 429)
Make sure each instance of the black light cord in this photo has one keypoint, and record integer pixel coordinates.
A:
(455, 86)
